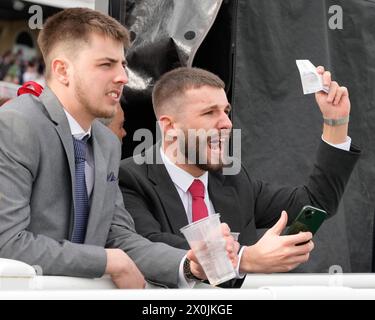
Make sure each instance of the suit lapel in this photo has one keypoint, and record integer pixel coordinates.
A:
(167, 193)
(99, 190)
(225, 202)
(56, 113)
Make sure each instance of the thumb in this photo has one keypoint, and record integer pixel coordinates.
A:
(281, 224)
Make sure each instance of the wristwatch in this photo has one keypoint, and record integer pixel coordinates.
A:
(336, 122)
(187, 271)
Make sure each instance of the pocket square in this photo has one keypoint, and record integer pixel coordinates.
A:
(111, 177)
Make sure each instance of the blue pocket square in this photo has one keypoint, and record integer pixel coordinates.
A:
(111, 177)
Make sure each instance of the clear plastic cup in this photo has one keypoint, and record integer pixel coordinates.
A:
(207, 242)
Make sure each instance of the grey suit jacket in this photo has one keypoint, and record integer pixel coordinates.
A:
(36, 197)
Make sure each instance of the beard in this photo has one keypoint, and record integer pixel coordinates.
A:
(93, 107)
(200, 153)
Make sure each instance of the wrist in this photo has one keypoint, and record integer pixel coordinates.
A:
(335, 135)
(245, 263)
(187, 271)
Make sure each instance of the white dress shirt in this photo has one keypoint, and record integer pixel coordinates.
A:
(182, 181)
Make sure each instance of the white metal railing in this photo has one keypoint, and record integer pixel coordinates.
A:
(19, 280)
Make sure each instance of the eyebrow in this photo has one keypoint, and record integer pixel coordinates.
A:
(124, 62)
(228, 106)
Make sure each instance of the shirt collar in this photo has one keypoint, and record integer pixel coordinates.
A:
(180, 177)
(75, 128)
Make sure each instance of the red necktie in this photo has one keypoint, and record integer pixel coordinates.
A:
(199, 208)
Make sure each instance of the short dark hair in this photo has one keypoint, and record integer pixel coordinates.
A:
(77, 24)
(177, 81)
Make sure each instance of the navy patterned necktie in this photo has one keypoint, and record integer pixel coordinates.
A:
(81, 200)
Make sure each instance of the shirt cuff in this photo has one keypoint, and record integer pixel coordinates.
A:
(343, 146)
(237, 269)
(184, 283)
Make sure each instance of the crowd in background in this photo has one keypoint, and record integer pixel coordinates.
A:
(15, 69)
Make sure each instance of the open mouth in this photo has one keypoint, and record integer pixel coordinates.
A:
(214, 144)
(114, 94)
(217, 143)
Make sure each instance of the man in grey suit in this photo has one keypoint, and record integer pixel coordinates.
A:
(60, 204)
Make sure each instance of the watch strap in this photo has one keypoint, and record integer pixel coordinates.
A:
(336, 122)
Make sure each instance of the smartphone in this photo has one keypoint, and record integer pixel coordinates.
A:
(309, 219)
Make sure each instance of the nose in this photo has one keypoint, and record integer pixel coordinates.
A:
(123, 133)
(225, 122)
(122, 76)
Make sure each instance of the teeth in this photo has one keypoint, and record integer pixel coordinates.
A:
(113, 94)
(215, 145)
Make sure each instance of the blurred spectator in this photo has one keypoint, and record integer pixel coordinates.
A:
(5, 63)
(30, 73)
(14, 69)
(116, 123)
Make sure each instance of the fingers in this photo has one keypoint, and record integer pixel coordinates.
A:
(225, 229)
(297, 238)
(333, 90)
(280, 224)
(341, 92)
(295, 261)
(327, 79)
(232, 247)
(191, 256)
(236, 246)
(335, 93)
(299, 254)
(303, 249)
(320, 69)
(195, 266)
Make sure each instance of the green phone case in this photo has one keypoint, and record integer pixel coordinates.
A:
(309, 219)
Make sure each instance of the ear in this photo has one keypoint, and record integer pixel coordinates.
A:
(60, 70)
(167, 126)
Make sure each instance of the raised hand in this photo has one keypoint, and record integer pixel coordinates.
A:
(335, 107)
(336, 103)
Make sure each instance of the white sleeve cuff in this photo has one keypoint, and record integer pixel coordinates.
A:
(237, 269)
(343, 146)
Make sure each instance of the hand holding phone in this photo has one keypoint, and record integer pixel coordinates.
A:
(308, 220)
